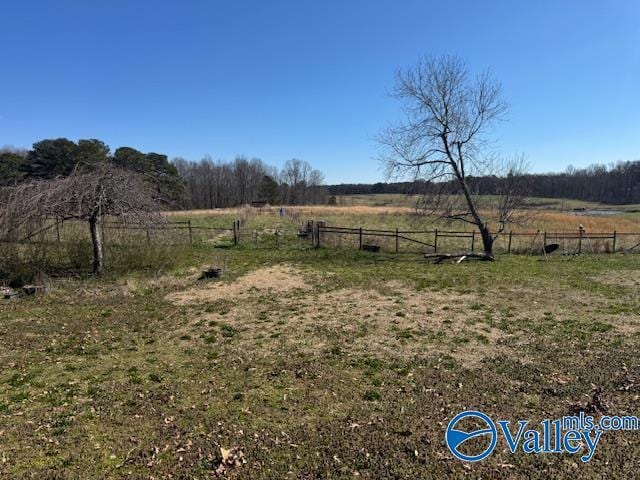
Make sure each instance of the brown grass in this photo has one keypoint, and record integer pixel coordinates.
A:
(567, 221)
(276, 279)
(549, 220)
(273, 305)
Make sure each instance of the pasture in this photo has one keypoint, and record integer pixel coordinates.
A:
(318, 363)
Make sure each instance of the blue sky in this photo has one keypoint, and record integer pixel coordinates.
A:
(309, 79)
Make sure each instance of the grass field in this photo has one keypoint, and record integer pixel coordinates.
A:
(404, 217)
(303, 363)
(547, 218)
(399, 200)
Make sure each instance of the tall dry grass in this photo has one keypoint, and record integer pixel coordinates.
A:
(550, 220)
(391, 217)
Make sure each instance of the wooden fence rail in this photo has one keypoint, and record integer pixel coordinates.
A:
(544, 237)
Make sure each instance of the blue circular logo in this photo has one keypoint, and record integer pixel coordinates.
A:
(456, 438)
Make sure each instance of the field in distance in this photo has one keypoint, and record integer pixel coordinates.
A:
(410, 201)
(391, 211)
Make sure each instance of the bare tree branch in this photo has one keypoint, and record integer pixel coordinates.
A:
(442, 140)
(84, 195)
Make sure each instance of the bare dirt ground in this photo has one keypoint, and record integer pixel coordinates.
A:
(281, 304)
(276, 279)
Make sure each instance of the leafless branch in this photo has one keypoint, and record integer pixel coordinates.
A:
(442, 140)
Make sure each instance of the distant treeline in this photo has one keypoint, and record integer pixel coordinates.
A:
(215, 184)
(615, 184)
(181, 183)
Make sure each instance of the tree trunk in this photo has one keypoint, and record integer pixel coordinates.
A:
(487, 239)
(96, 242)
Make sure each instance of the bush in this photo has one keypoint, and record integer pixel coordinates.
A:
(141, 256)
(21, 264)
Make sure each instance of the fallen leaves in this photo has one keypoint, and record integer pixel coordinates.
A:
(230, 458)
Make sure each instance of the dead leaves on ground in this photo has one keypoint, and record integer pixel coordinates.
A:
(230, 458)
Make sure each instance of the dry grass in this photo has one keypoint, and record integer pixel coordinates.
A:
(277, 279)
(399, 216)
(313, 211)
(551, 221)
(263, 222)
(392, 321)
(214, 212)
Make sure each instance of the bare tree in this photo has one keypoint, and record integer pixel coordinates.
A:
(301, 182)
(215, 184)
(442, 139)
(86, 196)
(512, 186)
(316, 178)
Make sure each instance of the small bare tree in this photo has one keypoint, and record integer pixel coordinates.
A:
(442, 140)
(87, 196)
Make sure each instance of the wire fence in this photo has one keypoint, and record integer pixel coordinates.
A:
(436, 240)
(56, 231)
(314, 233)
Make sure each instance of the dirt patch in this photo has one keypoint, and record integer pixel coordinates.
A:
(393, 321)
(276, 279)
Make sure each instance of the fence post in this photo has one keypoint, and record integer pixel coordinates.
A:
(396, 240)
(235, 233)
(580, 240)
(317, 234)
(190, 234)
(509, 247)
(58, 229)
(435, 241)
(360, 239)
(615, 235)
(473, 240)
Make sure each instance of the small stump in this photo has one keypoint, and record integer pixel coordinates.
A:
(212, 272)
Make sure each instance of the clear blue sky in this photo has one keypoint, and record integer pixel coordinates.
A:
(309, 79)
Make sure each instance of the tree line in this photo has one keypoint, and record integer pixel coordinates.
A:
(216, 184)
(211, 184)
(59, 158)
(617, 184)
(179, 183)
